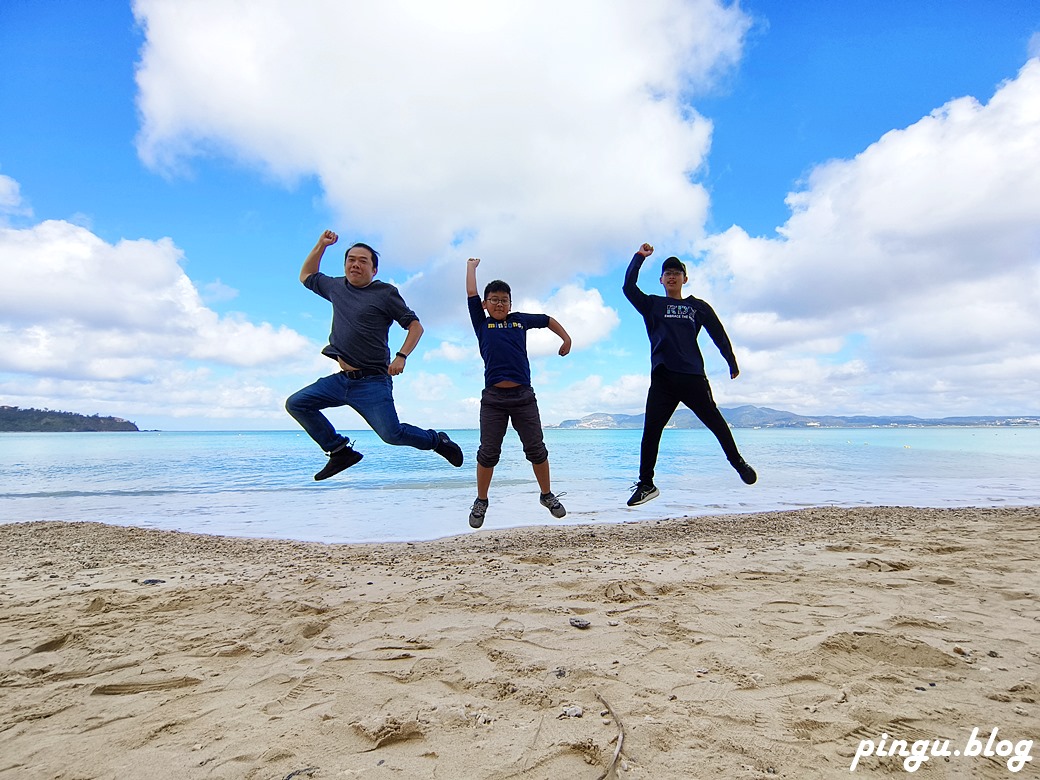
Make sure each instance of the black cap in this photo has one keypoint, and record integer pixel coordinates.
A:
(673, 262)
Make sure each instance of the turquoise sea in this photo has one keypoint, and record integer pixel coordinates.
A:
(260, 484)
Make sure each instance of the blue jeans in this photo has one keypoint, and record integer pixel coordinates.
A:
(372, 397)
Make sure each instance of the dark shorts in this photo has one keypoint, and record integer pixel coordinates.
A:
(498, 407)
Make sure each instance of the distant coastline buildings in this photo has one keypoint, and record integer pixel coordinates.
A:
(764, 417)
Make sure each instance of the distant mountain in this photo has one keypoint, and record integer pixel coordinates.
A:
(46, 420)
(764, 417)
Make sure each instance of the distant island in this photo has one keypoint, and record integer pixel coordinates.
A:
(13, 419)
(764, 417)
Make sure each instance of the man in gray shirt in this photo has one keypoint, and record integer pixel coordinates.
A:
(362, 311)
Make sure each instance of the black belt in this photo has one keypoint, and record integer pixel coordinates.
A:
(361, 373)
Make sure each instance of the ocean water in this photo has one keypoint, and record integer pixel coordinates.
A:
(260, 484)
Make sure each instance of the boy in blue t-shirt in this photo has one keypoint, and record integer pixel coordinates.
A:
(508, 395)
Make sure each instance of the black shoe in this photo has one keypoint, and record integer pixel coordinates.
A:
(642, 493)
(477, 512)
(340, 460)
(449, 450)
(746, 472)
(552, 503)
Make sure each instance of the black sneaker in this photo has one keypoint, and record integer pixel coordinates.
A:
(477, 512)
(449, 450)
(552, 503)
(746, 472)
(642, 493)
(340, 460)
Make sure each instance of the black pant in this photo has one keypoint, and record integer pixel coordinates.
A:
(667, 390)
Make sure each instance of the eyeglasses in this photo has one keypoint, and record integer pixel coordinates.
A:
(673, 272)
(498, 301)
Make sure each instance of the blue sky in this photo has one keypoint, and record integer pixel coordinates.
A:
(854, 186)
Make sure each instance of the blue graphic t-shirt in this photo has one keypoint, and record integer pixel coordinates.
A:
(503, 344)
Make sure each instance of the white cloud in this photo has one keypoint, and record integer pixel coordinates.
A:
(86, 322)
(767, 330)
(917, 262)
(10, 193)
(582, 313)
(534, 133)
(75, 305)
(429, 387)
(453, 353)
(11, 201)
(440, 401)
(217, 292)
(953, 198)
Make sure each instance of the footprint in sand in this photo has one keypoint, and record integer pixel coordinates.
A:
(626, 591)
(870, 648)
(877, 564)
(510, 627)
(50, 646)
(120, 689)
(388, 730)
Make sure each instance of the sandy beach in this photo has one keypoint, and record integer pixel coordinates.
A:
(756, 646)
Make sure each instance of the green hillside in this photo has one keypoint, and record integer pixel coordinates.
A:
(26, 420)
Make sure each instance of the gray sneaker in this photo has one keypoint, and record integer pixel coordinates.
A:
(552, 503)
(476, 513)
